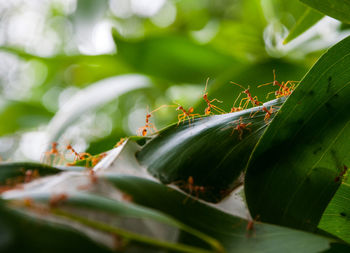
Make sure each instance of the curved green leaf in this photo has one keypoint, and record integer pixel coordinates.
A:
(338, 9)
(335, 219)
(25, 233)
(307, 20)
(290, 178)
(18, 170)
(229, 230)
(116, 216)
(207, 150)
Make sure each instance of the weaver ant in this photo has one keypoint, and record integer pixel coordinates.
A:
(57, 199)
(78, 156)
(142, 131)
(186, 114)
(31, 175)
(93, 180)
(342, 173)
(283, 90)
(90, 161)
(240, 127)
(50, 157)
(210, 106)
(268, 113)
(253, 100)
(250, 226)
(191, 188)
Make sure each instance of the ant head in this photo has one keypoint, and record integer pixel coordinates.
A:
(148, 115)
(205, 96)
(180, 108)
(246, 91)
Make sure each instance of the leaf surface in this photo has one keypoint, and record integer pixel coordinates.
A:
(290, 178)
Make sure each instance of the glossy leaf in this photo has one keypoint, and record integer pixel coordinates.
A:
(117, 215)
(335, 219)
(18, 169)
(307, 20)
(208, 149)
(290, 178)
(25, 233)
(229, 230)
(338, 9)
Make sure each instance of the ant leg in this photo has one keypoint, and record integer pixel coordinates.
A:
(180, 118)
(240, 134)
(218, 109)
(268, 94)
(219, 101)
(234, 129)
(151, 126)
(252, 115)
(256, 101)
(240, 103)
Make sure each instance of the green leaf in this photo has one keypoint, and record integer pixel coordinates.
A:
(290, 178)
(208, 149)
(24, 233)
(307, 20)
(173, 58)
(227, 229)
(17, 171)
(117, 216)
(338, 9)
(335, 219)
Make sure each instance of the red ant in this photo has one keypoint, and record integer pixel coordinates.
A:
(93, 180)
(126, 197)
(142, 131)
(283, 90)
(250, 226)
(57, 199)
(240, 127)
(253, 100)
(268, 113)
(207, 110)
(78, 156)
(190, 187)
(53, 152)
(186, 114)
(342, 173)
(31, 175)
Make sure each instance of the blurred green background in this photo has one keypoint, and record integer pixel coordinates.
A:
(86, 72)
